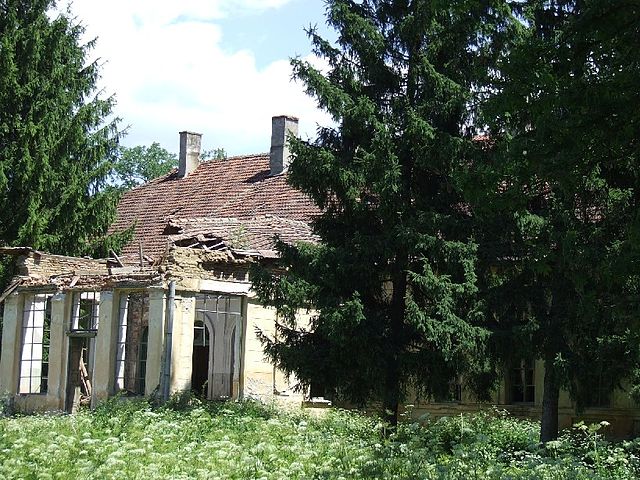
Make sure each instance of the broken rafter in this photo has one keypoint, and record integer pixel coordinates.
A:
(141, 254)
(117, 258)
(10, 289)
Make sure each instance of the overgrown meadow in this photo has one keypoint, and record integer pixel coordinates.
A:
(132, 439)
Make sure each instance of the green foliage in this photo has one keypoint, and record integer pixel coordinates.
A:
(141, 164)
(56, 142)
(394, 282)
(555, 196)
(137, 165)
(214, 154)
(127, 438)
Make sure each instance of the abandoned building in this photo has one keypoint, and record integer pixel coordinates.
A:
(175, 310)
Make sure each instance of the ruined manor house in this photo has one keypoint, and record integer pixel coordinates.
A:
(175, 310)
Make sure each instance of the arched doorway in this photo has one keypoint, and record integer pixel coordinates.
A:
(214, 345)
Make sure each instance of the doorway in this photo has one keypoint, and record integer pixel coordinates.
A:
(79, 373)
(218, 318)
(200, 359)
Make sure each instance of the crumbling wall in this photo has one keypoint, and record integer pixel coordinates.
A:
(45, 265)
(183, 262)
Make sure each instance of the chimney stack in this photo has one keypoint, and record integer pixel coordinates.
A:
(280, 157)
(189, 158)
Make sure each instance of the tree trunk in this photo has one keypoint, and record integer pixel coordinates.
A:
(551, 395)
(391, 394)
(391, 400)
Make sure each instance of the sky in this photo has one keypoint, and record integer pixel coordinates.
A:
(216, 67)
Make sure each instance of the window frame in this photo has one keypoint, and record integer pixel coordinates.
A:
(94, 317)
(523, 367)
(119, 377)
(29, 315)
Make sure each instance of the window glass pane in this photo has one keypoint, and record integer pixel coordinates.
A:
(36, 322)
(85, 311)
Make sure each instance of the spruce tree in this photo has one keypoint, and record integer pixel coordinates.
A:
(557, 200)
(57, 134)
(392, 285)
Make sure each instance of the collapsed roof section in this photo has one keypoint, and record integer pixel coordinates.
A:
(254, 237)
(220, 195)
(203, 221)
(36, 269)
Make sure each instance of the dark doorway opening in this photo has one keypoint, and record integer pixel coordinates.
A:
(200, 359)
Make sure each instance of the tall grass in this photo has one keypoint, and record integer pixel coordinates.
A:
(131, 439)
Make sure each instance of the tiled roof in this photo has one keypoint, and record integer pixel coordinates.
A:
(238, 189)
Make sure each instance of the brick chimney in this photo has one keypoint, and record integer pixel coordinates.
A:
(189, 158)
(280, 157)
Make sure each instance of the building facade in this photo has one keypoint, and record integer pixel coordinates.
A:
(175, 311)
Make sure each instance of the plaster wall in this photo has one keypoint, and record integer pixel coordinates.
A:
(106, 339)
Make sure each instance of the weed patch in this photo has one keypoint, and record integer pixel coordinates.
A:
(188, 438)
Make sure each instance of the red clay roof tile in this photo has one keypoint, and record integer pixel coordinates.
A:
(238, 188)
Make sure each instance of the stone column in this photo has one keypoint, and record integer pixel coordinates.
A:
(105, 347)
(58, 347)
(11, 344)
(181, 356)
(155, 345)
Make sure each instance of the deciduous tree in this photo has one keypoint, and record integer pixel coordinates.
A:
(137, 165)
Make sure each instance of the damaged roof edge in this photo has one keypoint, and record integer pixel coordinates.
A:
(10, 289)
(18, 251)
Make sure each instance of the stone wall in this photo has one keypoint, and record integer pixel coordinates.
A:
(45, 265)
(183, 262)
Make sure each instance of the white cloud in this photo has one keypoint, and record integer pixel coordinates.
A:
(165, 64)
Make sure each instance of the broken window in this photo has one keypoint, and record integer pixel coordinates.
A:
(200, 357)
(131, 349)
(34, 361)
(85, 312)
(600, 389)
(82, 330)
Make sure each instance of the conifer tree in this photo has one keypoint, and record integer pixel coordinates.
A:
(558, 205)
(56, 138)
(392, 284)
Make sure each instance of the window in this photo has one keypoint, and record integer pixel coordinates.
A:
(454, 393)
(598, 392)
(85, 312)
(133, 321)
(34, 362)
(142, 360)
(200, 334)
(522, 382)
(214, 307)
